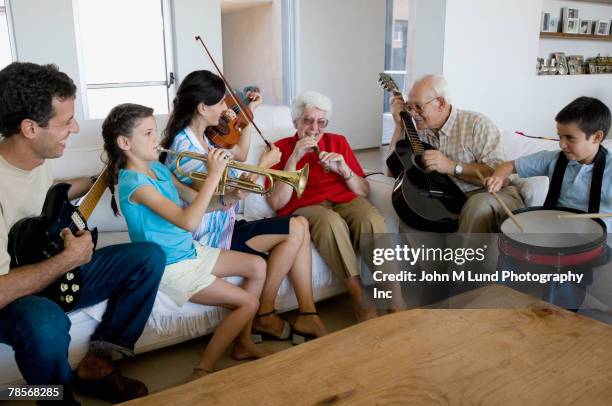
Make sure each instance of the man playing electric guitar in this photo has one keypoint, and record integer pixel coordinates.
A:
(465, 142)
(36, 119)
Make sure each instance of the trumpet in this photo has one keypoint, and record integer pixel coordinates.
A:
(296, 179)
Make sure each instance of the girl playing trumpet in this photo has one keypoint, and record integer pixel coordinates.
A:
(151, 202)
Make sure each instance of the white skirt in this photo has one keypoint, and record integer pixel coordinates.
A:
(183, 279)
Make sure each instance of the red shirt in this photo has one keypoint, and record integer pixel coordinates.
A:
(321, 186)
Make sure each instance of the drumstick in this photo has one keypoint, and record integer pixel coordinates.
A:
(585, 216)
(503, 205)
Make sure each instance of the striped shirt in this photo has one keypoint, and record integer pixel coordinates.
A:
(216, 227)
(467, 137)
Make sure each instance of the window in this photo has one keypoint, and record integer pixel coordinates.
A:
(124, 54)
(396, 46)
(6, 45)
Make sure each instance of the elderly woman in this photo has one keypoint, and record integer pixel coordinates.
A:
(334, 201)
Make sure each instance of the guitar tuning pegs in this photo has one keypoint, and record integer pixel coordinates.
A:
(75, 288)
(64, 287)
(69, 276)
(68, 299)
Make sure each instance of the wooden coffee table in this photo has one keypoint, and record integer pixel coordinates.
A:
(532, 354)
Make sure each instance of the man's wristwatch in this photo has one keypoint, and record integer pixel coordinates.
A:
(350, 175)
(458, 169)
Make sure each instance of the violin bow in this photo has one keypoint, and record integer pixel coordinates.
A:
(231, 91)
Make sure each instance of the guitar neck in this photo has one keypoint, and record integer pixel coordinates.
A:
(410, 131)
(90, 200)
(411, 134)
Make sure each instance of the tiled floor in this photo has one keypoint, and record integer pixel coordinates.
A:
(372, 159)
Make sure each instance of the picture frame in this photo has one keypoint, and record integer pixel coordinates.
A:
(602, 27)
(571, 26)
(574, 64)
(545, 23)
(570, 20)
(562, 68)
(553, 24)
(569, 12)
(585, 27)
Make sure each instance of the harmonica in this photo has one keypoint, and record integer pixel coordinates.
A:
(317, 151)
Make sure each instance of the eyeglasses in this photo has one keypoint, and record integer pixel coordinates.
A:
(419, 107)
(321, 123)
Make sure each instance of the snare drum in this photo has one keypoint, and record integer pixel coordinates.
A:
(550, 241)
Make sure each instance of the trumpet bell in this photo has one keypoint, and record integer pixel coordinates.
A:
(296, 179)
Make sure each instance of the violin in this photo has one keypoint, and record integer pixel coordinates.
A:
(227, 133)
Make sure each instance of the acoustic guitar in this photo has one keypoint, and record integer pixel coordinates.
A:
(34, 239)
(428, 201)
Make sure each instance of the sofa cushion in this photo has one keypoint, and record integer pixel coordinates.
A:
(516, 146)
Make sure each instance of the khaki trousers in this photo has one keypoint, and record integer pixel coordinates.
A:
(482, 213)
(336, 230)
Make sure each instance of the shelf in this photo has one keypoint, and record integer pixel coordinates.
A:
(593, 75)
(597, 1)
(561, 35)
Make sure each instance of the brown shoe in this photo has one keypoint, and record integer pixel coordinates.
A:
(114, 387)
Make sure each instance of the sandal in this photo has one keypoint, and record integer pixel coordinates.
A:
(258, 336)
(298, 337)
(198, 373)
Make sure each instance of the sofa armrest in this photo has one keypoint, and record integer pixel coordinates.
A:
(533, 190)
(381, 188)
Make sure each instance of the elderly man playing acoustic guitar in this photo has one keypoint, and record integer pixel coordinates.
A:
(466, 142)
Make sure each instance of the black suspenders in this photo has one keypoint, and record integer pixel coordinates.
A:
(554, 191)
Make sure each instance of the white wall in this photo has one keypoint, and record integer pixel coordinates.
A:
(44, 33)
(342, 50)
(489, 61)
(426, 38)
(191, 18)
(489, 58)
(253, 54)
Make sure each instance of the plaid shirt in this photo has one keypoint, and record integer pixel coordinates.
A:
(467, 137)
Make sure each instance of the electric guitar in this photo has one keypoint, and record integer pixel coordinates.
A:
(34, 239)
(428, 201)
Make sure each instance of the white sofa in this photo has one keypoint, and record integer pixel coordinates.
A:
(169, 324)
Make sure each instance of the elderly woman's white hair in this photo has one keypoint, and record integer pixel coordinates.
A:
(309, 99)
